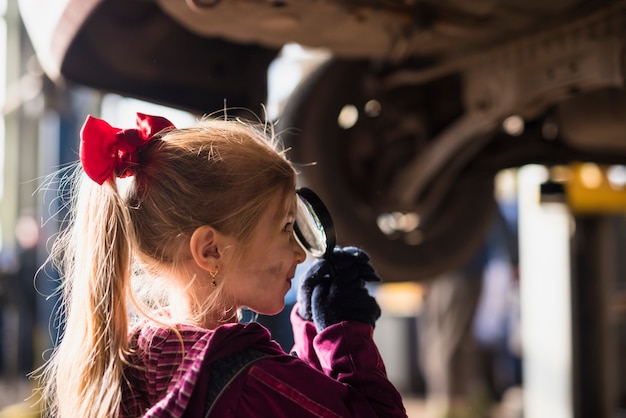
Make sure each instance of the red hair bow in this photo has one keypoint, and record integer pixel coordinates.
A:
(105, 150)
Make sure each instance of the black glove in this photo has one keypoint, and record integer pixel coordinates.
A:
(333, 290)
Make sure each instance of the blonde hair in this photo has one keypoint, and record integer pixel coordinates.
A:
(219, 173)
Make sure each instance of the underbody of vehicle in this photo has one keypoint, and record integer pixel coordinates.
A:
(441, 95)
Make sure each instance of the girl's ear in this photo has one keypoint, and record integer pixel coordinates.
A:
(204, 247)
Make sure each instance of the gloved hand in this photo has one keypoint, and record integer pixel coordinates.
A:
(333, 290)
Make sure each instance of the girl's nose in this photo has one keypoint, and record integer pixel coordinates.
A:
(299, 252)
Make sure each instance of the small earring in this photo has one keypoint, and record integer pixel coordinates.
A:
(213, 275)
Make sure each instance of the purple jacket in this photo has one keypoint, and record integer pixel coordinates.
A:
(336, 373)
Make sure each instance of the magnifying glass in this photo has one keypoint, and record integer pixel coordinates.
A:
(314, 226)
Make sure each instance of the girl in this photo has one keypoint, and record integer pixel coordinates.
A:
(204, 225)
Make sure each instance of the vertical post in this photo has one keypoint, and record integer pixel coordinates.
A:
(545, 292)
(595, 260)
(9, 133)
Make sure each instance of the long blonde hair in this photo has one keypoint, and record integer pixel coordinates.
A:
(219, 173)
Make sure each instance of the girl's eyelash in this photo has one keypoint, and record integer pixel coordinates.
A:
(288, 227)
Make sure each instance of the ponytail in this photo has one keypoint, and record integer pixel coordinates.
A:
(83, 377)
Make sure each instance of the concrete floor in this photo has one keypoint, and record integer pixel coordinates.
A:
(16, 402)
(16, 399)
(414, 407)
(510, 407)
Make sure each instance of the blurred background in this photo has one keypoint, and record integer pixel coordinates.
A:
(475, 149)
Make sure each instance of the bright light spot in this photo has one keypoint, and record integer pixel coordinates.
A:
(121, 111)
(506, 185)
(283, 75)
(390, 223)
(287, 71)
(591, 175)
(513, 125)
(27, 231)
(407, 221)
(616, 175)
(348, 116)
(385, 223)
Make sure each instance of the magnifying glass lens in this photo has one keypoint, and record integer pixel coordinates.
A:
(314, 227)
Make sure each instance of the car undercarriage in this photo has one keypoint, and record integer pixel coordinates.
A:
(403, 128)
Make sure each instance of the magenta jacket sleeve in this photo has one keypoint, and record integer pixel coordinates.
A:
(346, 352)
(304, 333)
